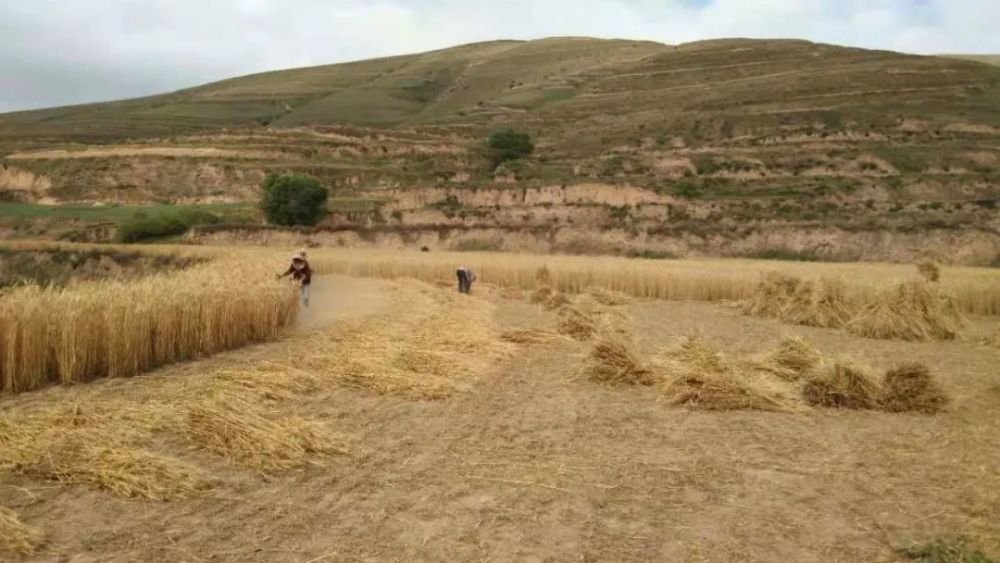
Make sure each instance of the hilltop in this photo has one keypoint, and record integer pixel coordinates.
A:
(720, 147)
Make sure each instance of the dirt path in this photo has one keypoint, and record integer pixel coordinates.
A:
(335, 298)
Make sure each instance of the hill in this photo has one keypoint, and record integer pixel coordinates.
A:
(770, 147)
(547, 78)
(422, 88)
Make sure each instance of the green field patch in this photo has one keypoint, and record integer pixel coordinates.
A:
(115, 213)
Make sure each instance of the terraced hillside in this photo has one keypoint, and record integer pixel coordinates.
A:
(736, 147)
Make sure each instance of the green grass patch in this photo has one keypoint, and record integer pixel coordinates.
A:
(478, 245)
(905, 159)
(353, 204)
(231, 212)
(138, 223)
(788, 255)
(147, 225)
(648, 254)
(945, 551)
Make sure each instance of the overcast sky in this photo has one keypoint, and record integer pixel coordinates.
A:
(55, 52)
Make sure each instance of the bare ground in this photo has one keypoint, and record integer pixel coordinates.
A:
(335, 298)
(533, 464)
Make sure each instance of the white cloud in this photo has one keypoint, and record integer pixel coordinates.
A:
(55, 52)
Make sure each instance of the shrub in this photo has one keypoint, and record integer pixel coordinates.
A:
(146, 225)
(509, 144)
(618, 212)
(294, 199)
(706, 164)
(687, 189)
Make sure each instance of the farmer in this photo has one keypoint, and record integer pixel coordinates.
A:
(465, 278)
(302, 273)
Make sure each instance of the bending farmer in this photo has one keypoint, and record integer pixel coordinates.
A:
(302, 273)
(465, 278)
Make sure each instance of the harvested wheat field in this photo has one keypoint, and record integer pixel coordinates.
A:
(396, 420)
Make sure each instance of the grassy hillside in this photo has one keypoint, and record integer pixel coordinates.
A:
(389, 91)
(552, 80)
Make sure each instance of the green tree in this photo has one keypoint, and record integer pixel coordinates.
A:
(508, 144)
(293, 199)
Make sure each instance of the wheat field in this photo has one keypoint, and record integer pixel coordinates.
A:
(90, 330)
(122, 328)
(975, 290)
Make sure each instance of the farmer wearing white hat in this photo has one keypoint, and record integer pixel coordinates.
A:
(465, 278)
(301, 273)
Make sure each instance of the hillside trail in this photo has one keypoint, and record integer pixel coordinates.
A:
(335, 298)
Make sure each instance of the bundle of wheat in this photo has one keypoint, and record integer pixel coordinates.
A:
(770, 294)
(792, 360)
(613, 361)
(930, 271)
(531, 336)
(246, 433)
(16, 537)
(842, 385)
(577, 323)
(581, 318)
(699, 376)
(557, 300)
(914, 310)
(542, 294)
(608, 297)
(821, 303)
(549, 298)
(911, 387)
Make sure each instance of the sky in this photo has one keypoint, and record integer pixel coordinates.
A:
(58, 52)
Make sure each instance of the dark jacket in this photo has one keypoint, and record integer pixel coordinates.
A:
(303, 275)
